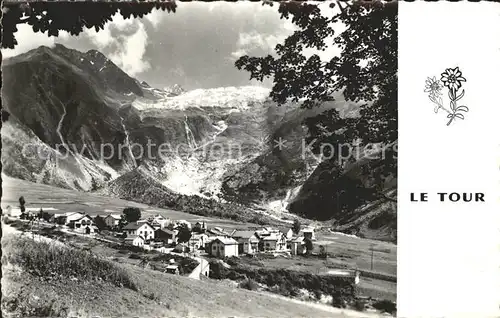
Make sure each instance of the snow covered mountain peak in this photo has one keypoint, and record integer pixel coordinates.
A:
(239, 98)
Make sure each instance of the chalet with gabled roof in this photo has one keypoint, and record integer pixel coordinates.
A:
(140, 229)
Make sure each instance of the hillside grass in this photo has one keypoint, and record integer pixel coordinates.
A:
(50, 261)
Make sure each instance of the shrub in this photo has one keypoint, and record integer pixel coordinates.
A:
(317, 294)
(338, 302)
(385, 306)
(48, 259)
(233, 261)
(249, 284)
(287, 282)
(285, 289)
(359, 305)
(135, 256)
(217, 271)
(186, 264)
(150, 295)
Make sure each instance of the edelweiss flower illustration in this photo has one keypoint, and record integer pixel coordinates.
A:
(432, 86)
(452, 78)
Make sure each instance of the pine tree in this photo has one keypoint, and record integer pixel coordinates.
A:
(22, 202)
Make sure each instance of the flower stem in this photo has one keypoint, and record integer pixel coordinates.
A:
(453, 105)
(446, 109)
(453, 101)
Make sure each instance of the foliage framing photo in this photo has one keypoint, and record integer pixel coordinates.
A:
(365, 71)
(71, 16)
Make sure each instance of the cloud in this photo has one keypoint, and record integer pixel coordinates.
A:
(28, 40)
(130, 53)
(124, 41)
(248, 42)
(253, 43)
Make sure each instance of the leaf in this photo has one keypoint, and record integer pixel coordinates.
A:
(461, 116)
(461, 95)
(449, 115)
(449, 95)
(462, 108)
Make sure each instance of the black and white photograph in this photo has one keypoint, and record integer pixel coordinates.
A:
(200, 159)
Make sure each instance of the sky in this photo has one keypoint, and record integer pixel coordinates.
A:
(195, 47)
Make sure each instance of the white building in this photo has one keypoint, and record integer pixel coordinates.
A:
(198, 241)
(72, 216)
(308, 233)
(140, 229)
(223, 247)
(12, 211)
(161, 220)
(135, 240)
(248, 242)
(84, 225)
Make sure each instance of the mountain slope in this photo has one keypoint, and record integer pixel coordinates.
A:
(136, 185)
(227, 151)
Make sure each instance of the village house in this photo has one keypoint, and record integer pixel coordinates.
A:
(12, 211)
(112, 220)
(85, 225)
(172, 269)
(198, 241)
(199, 227)
(165, 235)
(143, 229)
(248, 242)
(69, 217)
(58, 218)
(162, 249)
(154, 224)
(181, 248)
(288, 232)
(65, 218)
(308, 233)
(161, 220)
(271, 239)
(135, 240)
(298, 246)
(223, 247)
(273, 242)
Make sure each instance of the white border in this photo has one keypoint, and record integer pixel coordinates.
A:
(448, 253)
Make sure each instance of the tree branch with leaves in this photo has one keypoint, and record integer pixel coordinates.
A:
(71, 16)
(365, 72)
